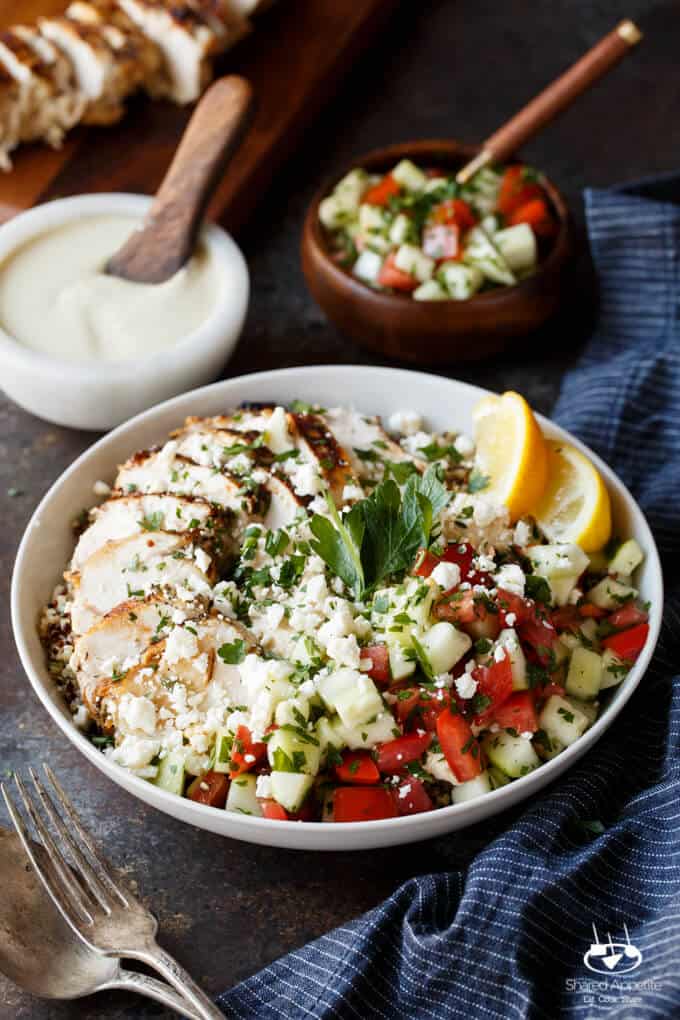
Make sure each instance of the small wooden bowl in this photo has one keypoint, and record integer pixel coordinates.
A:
(433, 331)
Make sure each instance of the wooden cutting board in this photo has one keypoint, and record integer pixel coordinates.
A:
(294, 58)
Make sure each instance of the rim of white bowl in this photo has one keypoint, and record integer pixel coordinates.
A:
(248, 828)
(31, 224)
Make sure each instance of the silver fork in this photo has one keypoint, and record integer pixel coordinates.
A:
(106, 917)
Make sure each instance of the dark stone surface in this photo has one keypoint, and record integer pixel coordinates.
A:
(445, 67)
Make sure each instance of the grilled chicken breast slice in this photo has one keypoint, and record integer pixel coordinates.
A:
(186, 40)
(135, 514)
(364, 441)
(50, 101)
(123, 36)
(134, 567)
(10, 117)
(183, 676)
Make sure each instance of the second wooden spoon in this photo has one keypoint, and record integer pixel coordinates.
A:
(167, 238)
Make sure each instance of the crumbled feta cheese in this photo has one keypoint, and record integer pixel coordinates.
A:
(510, 619)
(404, 791)
(180, 644)
(464, 446)
(414, 443)
(437, 765)
(446, 575)
(101, 489)
(575, 596)
(406, 423)
(466, 686)
(317, 590)
(81, 718)
(202, 560)
(352, 493)
(344, 651)
(510, 577)
(306, 480)
(134, 752)
(137, 713)
(443, 680)
(499, 653)
(263, 787)
(522, 534)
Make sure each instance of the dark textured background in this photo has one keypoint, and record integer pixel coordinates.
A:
(445, 67)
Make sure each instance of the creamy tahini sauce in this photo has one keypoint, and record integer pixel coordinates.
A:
(55, 298)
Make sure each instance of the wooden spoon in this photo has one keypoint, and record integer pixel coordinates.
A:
(556, 97)
(167, 238)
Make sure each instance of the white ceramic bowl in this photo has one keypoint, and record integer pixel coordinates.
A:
(48, 543)
(96, 395)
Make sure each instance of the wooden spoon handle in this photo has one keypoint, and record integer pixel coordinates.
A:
(555, 98)
(168, 236)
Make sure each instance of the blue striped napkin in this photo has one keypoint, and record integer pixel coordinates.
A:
(505, 936)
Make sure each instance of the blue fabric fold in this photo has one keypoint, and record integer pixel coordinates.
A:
(505, 935)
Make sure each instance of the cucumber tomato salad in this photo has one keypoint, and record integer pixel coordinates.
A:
(304, 613)
(418, 232)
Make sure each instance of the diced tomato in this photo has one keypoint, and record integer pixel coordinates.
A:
(425, 563)
(363, 804)
(391, 276)
(460, 747)
(270, 809)
(628, 616)
(537, 215)
(516, 190)
(379, 657)
(518, 712)
(495, 683)
(245, 753)
(411, 797)
(462, 554)
(588, 610)
(628, 644)
(210, 788)
(395, 754)
(540, 635)
(408, 696)
(512, 605)
(566, 618)
(358, 767)
(454, 211)
(441, 241)
(469, 612)
(430, 707)
(382, 192)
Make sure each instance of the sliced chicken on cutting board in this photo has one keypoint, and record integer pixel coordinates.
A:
(10, 117)
(123, 35)
(134, 567)
(50, 100)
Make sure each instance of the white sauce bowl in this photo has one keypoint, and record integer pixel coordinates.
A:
(97, 394)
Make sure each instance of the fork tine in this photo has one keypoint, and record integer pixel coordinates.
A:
(104, 872)
(85, 870)
(64, 898)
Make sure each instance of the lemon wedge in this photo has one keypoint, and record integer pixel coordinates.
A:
(511, 452)
(575, 506)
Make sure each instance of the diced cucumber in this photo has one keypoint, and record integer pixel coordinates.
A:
(561, 588)
(514, 756)
(223, 745)
(171, 773)
(482, 190)
(476, 787)
(627, 558)
(241, 796)
(614, 669)
(585, 674)
(350, 189)
(509, 640)
(332, 213)
(400, 666)
(291, 712)
(412, 260)
(518, 247)
(435, 183)
(590, 709)
(560, 650)
(610, 594)
(289, 789)
(461, 281)
(430, 291)
(480, 251)
(562, 723)
(598, 562)
(401, 229)
(289, 751)
(497, 778)
(444, 646)
(371, 217)
(367, 267)
(409, 610)
(328, 735)
(588, 630)
(409, 175)
(377, 243)
(561, 560)
(368, 734)
(352, 695)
